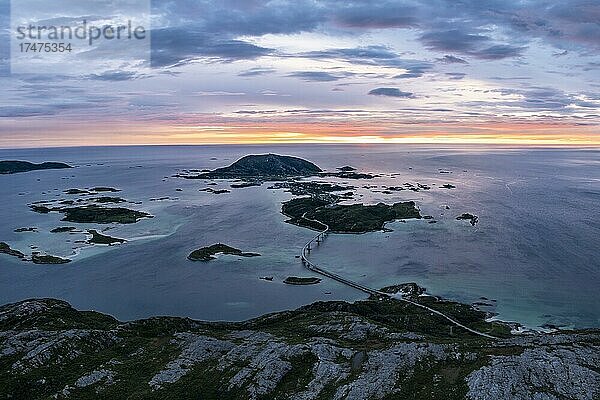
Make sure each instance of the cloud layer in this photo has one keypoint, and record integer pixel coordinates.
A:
(391, 63)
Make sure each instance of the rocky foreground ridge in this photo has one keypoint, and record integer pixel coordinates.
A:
(370, 349)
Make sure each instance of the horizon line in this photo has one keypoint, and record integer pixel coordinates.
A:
(518, 144)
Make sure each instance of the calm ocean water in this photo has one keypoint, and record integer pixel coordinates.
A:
(535, 251)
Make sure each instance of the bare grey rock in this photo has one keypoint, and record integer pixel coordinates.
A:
(195, 349)
(300, 355)
(41, 347)
(381, 371)
(94, 377)
(561, 372)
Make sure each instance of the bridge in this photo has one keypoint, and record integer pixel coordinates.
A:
(320, 238)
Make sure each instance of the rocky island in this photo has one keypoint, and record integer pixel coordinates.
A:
(263, 166)
(14, 167)
(94, 214)
(313, 212)
(473, 219)
(369, 349)
(37, 258)
(294, 280)
(6, 249)
(98, 238)
(208, 253)
(64, 229)
(103, 215)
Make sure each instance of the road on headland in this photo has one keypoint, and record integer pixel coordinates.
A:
(315, 268)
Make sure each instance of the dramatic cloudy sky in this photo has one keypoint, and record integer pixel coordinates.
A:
(330, 71)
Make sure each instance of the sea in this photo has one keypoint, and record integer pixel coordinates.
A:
(533, 257)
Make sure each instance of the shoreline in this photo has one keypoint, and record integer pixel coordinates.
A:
(514, 332)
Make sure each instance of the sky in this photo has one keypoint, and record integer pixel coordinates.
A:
(324, 71)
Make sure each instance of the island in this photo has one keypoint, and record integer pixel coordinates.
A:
(208, 253)
(313, 188)
(6, 249)
(410, 289)
(368, 349)
(261, 167)
(26, 229)
(98, 238)
(103, 215)
(294, 280)
(37, 258)
(101, 189)
(314, 213)
(94, 214)
(348, 175)
(63, 229)
(76, 191)
(473, 219)
(14, 167)
(245, 184)
(272, 167)
(214, 191)
(108, 199)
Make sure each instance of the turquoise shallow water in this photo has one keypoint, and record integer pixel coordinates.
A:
(535, 250)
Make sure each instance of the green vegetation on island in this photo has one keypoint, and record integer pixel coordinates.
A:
(37, 258)
(264, 166)
(208, 253)
(98, 238)
(6, 249)
(294, 280)
(407, 289)
(103, 215)
(94, 214)
(355, 218)
(14, 167)
(311, 188)
(255, 169)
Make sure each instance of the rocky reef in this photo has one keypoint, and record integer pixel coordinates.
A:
(329, 350)
(37, 258)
